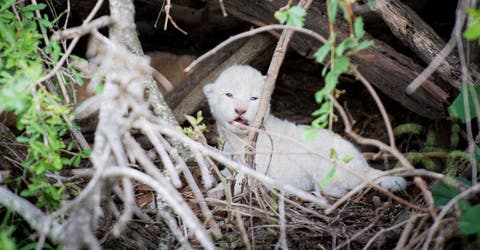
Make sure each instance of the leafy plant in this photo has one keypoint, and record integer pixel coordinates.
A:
(197, 127)
(473, 28)
(458, 109)
(291, 16)
(339, 62)
(41, 116)
(468, 221)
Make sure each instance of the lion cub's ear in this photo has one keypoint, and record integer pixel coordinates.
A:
(208, 90)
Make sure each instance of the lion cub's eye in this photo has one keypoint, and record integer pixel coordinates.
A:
(253, 98)
(229, 94)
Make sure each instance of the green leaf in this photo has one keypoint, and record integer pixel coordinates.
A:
(33, 7)
(309, 134)
(325, 68)
(345, 45)
(7, 4)
(358, 28)
(7, 33)
(443, 193)
(457, 109)
(281, 16)
(320, 122)
(331, 81)
(409, 129)
(333, 4)
(296, 16)
(319, 95)
(469, 221)
(77, 161)
(364, 45)
(333, 154)
(325, 108)
(297, 11)
(341, 64)
(473, 28)
(371, 4)
(473, 12)
(322, 53)
(327, 178)
(347, 158)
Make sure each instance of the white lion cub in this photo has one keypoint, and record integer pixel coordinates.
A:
(234, 100)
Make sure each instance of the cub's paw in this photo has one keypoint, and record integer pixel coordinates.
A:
(392, 183)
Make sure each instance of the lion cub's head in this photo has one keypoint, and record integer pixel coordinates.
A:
(234, 97)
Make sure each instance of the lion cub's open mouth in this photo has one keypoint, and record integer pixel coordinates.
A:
(239, 120)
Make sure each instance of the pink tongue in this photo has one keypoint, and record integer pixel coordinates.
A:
(241, 121)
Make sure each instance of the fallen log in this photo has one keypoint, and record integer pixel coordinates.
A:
(388, 70)
(410, 28)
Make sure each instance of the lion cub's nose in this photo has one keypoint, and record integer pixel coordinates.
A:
(240, 111)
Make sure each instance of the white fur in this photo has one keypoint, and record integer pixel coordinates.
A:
(276, 156)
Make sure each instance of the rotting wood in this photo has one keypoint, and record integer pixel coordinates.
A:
(254, 47)
(387, 69)
(410, 28)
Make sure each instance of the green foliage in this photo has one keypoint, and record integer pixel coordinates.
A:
(327, 178)
(332, 10)
(7, 242)
(331, 172)
(457, 108)
(408, 129)
(473, 28)
(468, 222)
(339, 63)
(41, 116)
(196, 128)
(48, 195)
(291, 16)
(443, 193)
(340, 54)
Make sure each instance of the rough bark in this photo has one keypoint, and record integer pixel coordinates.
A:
(385, 68)
(407, 26)
(124, 31)
(190, 102)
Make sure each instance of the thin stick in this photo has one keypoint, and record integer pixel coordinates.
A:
(380, 106)
(215, 154)
(382, 146)
(222, 6)
(282, 241)
(129, 203)
(372, 240)
(195, 189)
(273, 69)
(72, 44)
(344, 167)
(243, 230)
(465, 77)
(172, 197)
(251, 33)
(361, 232)
(168, 5)
(406, 232)
(71, 33)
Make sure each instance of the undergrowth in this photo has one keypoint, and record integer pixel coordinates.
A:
(42, 120)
